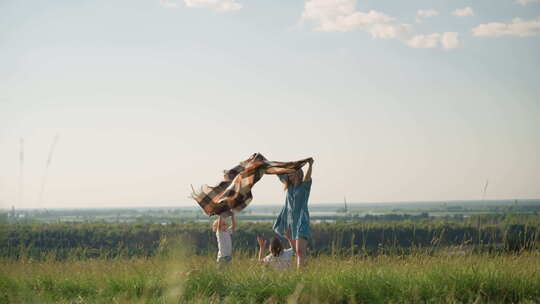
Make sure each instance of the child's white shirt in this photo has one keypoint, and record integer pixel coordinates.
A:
(224, 242)
(282, 261)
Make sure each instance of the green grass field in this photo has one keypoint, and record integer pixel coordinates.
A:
(178, 279)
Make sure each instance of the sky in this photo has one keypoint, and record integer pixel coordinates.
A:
(395, 100)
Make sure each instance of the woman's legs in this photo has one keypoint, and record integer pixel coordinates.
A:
(301, 250)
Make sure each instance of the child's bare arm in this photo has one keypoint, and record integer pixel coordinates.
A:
(233, 226)
(220, 222)
(262, 246)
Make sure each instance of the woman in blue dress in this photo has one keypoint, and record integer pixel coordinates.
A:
(294, 217)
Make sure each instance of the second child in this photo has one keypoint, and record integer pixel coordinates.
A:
(279, 257)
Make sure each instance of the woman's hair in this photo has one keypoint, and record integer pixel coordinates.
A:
(284, 178)
(275, 246)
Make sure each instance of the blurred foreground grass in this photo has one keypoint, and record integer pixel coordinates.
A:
(446, 278)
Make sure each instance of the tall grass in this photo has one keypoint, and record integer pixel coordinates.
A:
(154, 264)
(175, 277)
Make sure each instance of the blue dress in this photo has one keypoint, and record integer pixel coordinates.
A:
(295, 214)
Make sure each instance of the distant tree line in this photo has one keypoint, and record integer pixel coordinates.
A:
(110, 240)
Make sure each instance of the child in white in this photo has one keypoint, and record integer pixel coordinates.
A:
(224, 240)
(278, 258)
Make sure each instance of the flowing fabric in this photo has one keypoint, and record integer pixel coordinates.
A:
(234, 192)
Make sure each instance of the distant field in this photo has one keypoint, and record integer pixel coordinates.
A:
(444, 278)
(256, 212)
(390, 258)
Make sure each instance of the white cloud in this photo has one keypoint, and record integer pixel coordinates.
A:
(388, 30)
(420, 14)
(526, 2)
(168, 3)
(427, 13)
(518, 27)
(425, 41)
(217, 5)
(463, 12)
(342, 16)
(447, 40)
(450, 40)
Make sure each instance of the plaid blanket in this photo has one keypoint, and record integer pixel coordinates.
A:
(234, 192)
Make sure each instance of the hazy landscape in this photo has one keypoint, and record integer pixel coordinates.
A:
(456, 251)
(124, 124)
(268, 212)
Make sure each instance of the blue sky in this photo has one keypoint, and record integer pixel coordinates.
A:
(396, 101)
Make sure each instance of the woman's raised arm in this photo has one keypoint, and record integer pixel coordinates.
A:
(308, 174)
